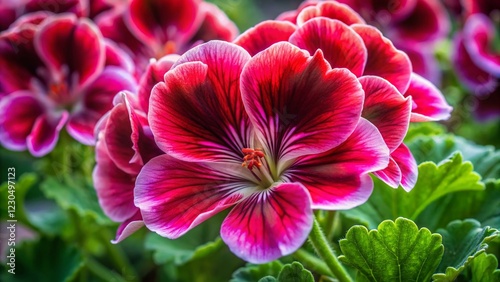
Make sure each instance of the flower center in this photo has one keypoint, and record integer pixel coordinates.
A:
(256, 158)
(58, 92)
(252, 158)
(168, 48)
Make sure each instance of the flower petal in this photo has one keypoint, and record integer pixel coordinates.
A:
(215, 26)
(154, 73)
(174, 196)
(423, 62)
(297, 103)
(429, 103)
(72, 48)
(332, 10)
(391, 175)
(197, 113)
(387, 109)
(341, 46)
(128, 227)
(264, 34)
(114, 187)
(115, 56)
(337, 179)
(408, 165)
(471, 75)
(45, 133)
(479, 32)
(18, 113)
(269, 224)
(159, 21)
(384, 59)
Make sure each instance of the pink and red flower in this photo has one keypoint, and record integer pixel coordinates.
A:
(347, 42)
(54, 72)
(124, 144)
(275, 136)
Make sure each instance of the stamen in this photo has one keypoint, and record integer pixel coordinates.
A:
(252, 158)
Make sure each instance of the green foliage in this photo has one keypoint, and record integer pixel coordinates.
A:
(257, 272)
(484, 268)
(463, 241)
(45, 260)
(434, 181)
(396, 251)
(17, 189)
(295, 272)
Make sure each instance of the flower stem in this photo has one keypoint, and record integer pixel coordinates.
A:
(312, 262)
(320, 244)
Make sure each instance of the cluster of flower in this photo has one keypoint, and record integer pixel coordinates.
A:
(290, 116)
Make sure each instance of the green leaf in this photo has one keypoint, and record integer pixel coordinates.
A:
(397, 251)
(424, 129)
(482, 205)
(463, 241)
(434, 181)
(257, 272)
(75, 193)
(295, 272)
(199, 242)
(484, 268)
(268, 279)
(486, 159)
(45, 260)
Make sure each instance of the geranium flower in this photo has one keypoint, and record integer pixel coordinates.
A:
(347, 42)
(139, 28)
(52, 74)
(478, 66)
(275, 136)
(401, 21)
(124, 145)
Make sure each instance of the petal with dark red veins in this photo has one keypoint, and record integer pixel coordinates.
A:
(215, 26)
(45, 133)
(265, 34)
(73, 49)
(297, 103)
(115, 56)
(174, 196)
(114, 187)
(18, 113)
(269, 224)
(154, 73)
(479, 32)
(128, 227)
(197, 113)
(408, 166)
(160, 21)
(341, 46)
(384, 59)
(332, 10)
(429, 103)
(391, 175)
(387, 109)
(338, 179)
(412, 29)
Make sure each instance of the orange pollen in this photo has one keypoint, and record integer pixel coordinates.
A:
(168, 48)
(252, 158)
(57, 90)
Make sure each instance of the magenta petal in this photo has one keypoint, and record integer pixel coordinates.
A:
(391, 175)
(197, 113)
(45, 133)
(115, 56)
(128, 227)
(291, 16)
(423, 62)
(18, 113)
(265, 34)
(429, 103)
(174, 196)
(289, 123)
(269, 224)
(154, 73)
(159, 21)
(114, 187)
(215, 26)
(71, 48)
(332, 10)
(487, 107)
(337, 179)
(384, 59)
(341, 46)
(479, 32)
(408, 165)
(413, 30)
(471, 75)
(387, 109)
